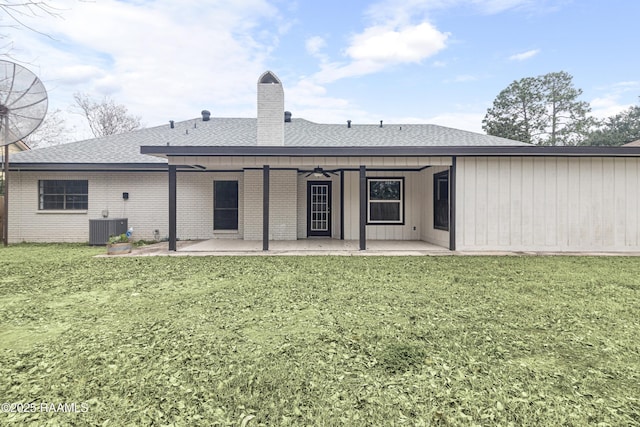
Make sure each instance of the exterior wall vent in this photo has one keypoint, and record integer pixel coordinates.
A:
(269, 78)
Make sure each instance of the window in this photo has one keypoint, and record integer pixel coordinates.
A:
(225, 205)
(385, 200)
(441, 200)
(63, 194)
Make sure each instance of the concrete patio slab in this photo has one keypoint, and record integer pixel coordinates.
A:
(232, 247)
(312, 247)
(226, 247)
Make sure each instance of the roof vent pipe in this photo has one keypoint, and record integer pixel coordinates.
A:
(380, 123)
(205, 115)
(287, 116)
(171, 124)
(349, 124)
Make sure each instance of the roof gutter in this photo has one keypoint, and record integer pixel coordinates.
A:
(87, 167)
(386, 151)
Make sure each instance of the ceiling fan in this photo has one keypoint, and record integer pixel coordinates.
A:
(318, 172)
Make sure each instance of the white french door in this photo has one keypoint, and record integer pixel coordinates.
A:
(319, 208)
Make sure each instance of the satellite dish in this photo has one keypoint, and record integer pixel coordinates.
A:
(23, 102)
(23, 105)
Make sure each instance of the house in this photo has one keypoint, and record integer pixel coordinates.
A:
(5, 152)
(277, 177)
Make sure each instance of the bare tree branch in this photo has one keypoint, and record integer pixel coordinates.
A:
(105, 117)
(52, 131)
(17, 11)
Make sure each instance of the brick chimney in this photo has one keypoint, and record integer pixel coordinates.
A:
(270, 110)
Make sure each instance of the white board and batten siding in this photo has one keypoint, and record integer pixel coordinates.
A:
(548, 203)
(427, 231)
(410, 230)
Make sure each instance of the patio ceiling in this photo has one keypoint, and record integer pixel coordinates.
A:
(307, 163)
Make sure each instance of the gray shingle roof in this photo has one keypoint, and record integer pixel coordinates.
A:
(125, 148)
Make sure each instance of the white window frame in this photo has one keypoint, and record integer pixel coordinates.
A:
(400, 202)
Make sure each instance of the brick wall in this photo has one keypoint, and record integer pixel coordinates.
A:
(252, 205)
(283, 216)
(270, 114)
(195, 205)
(147, 208)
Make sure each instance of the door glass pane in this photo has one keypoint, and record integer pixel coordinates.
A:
(319, 207)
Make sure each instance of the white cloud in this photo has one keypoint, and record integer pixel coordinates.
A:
(401, 33)
(616, 98)
(380, 47)
(392, 46)
(306, 94)
(75, 73)
(491, 7)
(305, 89)
(462, 79)
(607, 106)
(402, 11)
(166, 59)
(162, 59)
(309, 100)
(333, 71)
(524, 55)
(315, 44)
(622, 87)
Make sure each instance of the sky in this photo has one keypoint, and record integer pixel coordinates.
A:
(402, 61)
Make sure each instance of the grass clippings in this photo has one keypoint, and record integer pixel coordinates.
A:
(291, 341)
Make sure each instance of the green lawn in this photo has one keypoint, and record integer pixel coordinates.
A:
(248, 341)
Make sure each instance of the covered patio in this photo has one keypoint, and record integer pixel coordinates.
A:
(274, 196)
